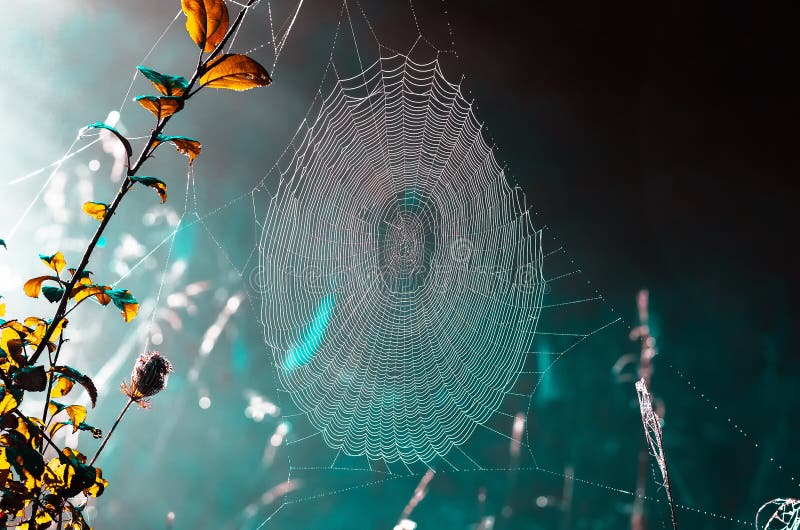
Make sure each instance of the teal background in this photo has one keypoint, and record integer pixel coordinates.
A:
(655, 143)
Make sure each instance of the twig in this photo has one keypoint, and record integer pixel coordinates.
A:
(105, 441)
(652, 432)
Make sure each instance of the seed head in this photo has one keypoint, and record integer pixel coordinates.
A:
(148, 378)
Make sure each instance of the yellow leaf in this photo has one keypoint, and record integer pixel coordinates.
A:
(57, 427)
(33, 287)
(11, 345)
(2, 309)
(100, 484)
(55, 262)
(38, 327)
(58, 329)
(61, 387)
(234, 72)
(161, 107)
(57, 474)
(31, 432)
(53, 408)
(7, 403)
(95, 209)
(85, 279)
(85, 291)
(42, 518)
(77, 414)
(130, 312)
(206, 22)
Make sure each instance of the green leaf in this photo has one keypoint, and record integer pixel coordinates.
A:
(85, 278)
(2, 242)
(55, 262)
(31, 378)
(75, 376)
(169, 85)
(53, 294)
(96, 433)
(25, 459)
(67, 474)
(125, 142)
(124, 301)
(55, 407)
(154, 183)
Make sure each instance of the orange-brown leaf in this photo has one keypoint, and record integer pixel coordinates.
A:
(161, 107)
(206, 22)
(234, 72)
(85, 291)
(186, 146)
(129, 311)
(61, 387)
(33, 287)
(55, 262)
(7, 403)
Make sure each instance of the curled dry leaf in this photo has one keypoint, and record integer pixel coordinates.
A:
(234, 72)
(206, 21)
(112, 130)
(154, 183)
(186, 146)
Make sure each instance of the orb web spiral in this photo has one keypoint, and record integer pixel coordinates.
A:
(402, 276)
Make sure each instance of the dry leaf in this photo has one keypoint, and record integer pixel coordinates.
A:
(234, 72)
(206, 22)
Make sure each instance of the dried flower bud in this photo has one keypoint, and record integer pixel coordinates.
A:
(148, 378)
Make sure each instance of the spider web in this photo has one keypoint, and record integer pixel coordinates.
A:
(404, 276)
(413, 308)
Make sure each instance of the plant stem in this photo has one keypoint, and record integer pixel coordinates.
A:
(231, 30)
(50, 380)
(41, 431)
(105, 441)
(62, 306)
(127, 184)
